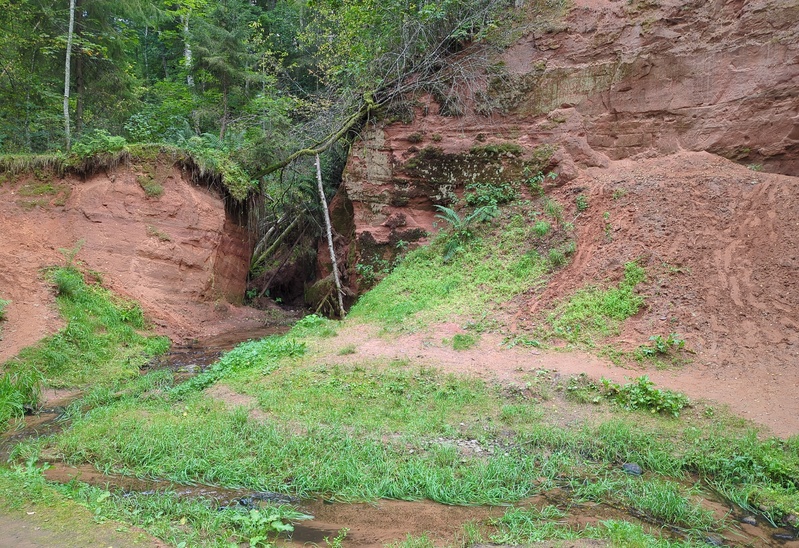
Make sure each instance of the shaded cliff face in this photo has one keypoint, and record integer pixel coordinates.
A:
(177, 252)
(605, 80)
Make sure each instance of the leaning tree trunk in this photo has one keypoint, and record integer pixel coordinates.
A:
(329, 231)
(66, 72)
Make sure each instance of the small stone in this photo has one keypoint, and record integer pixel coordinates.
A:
(713, 540)
(782, 536)
(749, 520)
(632, 468)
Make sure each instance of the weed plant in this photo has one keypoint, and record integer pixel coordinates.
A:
(490, 194)
(642, 394)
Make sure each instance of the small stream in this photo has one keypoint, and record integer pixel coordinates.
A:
(369, 525)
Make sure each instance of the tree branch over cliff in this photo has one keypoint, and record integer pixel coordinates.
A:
(408, 52)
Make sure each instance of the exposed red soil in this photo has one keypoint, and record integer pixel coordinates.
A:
(634, 96)
(180, 255)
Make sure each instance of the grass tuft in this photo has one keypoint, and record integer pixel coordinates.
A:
(595, 313)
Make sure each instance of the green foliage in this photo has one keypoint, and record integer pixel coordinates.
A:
(263, 354)
(462, 227)
(659, 501)
(20, 389)
(68, 283)
(96, 143)
(582, 202)
(370, 430)
(535, 181)
(258, 525)
(365, 43)
(661, 346)
(3, 304)
(490, 194)
(553, 209)
(213, 158)
(557, 257)
(338, 540)
(151, 188)
(642, 394)
(488, 269)
(541, 228)
(314, 325)
(461, 341)
(594, 312)
(531, 525)
(101, 339)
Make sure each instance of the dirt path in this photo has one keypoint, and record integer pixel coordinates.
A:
(765, 396)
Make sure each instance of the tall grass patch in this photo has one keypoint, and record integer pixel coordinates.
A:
(431, 285)
(366, 399)
(101, 343)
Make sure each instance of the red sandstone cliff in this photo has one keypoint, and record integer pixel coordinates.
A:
(602, 81)
(178, 253)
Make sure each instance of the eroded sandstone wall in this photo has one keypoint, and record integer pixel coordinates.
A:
(605, 80)
(177, 251)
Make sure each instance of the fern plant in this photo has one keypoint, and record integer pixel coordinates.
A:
(461, 226)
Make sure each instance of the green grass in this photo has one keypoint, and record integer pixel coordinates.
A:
(494, 267)
(361, 433)
(364, 398)
(463, 341)
(179, 521)
(369, 430)
(3, 305)
(19, 392)
(593, 313)
(655, 500)
(522, 526)
(101, 343)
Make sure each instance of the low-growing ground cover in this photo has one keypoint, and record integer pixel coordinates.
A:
(408, 431)
(102, 342)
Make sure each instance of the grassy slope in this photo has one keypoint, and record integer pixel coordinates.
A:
(372, 429)
(101, 344)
